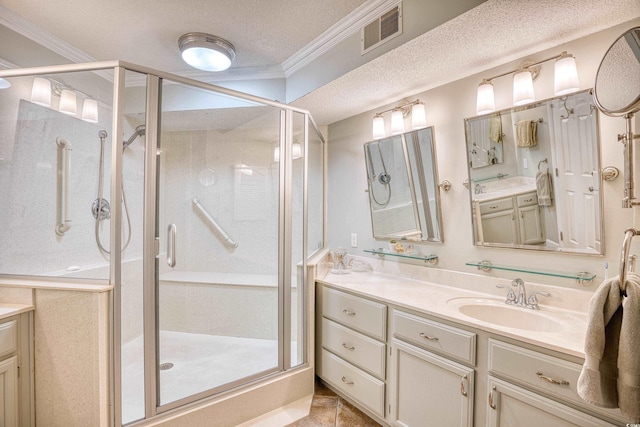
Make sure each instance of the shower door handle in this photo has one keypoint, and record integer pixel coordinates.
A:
(171, 245)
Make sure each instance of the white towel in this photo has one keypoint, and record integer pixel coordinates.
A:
(544, 188)
(526, 133)
(610, 376)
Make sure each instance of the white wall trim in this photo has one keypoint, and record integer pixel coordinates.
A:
(344, 28)
(44, 38)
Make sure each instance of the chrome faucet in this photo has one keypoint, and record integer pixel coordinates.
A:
(478, 189)
(521, 298)
(522, 292)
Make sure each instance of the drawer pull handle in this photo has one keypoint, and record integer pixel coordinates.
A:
(462, 390)
(427, 337)
(551, 380)
(347, 382)
(528, 200)
(348, 347)
(349, 312)
(491, 404)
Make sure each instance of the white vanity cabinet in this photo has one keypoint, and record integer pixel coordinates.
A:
(529, 388)
(428, 389)
(351, 349)
(15, 372)
(515, 219)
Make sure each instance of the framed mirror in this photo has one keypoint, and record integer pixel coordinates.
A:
(402, 183)
(545, 195)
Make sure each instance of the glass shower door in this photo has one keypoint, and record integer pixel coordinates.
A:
(218, 199)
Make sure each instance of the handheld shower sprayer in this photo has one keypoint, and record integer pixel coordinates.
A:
(140, 130)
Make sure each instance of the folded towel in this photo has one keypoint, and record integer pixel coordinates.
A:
(495, 129)
(526, 131)
(597, 380)
(629, 353)
(544, 188)
(610, 376)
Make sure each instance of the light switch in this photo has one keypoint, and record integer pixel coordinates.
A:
(354, 240)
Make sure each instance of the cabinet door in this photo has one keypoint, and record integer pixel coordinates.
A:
(9, 392)
(499, 227)
(510, 405)
(428, 390)
(531, 228)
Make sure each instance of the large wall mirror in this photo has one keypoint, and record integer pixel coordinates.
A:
(545, 194)
(402, 183)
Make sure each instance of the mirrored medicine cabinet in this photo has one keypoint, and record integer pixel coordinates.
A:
(534, 176)
(402, 184)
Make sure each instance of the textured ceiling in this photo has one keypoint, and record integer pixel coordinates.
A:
(146, 32)
(494, 33)
(268, 32)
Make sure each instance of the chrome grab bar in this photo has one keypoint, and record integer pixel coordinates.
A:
(64, 164)
(227, 240)
(171, 245)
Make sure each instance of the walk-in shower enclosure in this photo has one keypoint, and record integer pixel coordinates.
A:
(198, 204)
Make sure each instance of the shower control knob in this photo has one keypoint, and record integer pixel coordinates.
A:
(101, 209)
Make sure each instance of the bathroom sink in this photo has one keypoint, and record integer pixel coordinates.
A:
(495, 311)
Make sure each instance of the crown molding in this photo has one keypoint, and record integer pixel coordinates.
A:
(6, 64)
(38, 35)
(347, 26)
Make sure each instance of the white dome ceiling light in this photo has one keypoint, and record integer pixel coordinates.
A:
(206, 52)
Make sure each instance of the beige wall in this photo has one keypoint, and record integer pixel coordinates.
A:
(446, 108)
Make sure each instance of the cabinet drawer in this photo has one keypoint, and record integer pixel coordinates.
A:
(496, 205)
(357, 384)
(362, 351)
(527, 199)
(538, 371)
(365, 316)
(444, 339)
(8, 338)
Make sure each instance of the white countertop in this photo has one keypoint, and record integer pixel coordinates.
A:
(8, 310)
(431, 298)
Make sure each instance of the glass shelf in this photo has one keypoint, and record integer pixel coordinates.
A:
(431, 259)
(582, 277)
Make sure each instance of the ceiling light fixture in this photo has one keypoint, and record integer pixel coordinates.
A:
(206, 52)
(398, 113)
(565, 81)
(4, 84)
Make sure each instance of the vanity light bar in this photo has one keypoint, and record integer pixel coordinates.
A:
(398, 113)
(565, 81)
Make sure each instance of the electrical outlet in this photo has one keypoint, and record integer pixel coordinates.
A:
(525, 165)
(354, 240)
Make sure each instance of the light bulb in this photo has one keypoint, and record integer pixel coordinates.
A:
(378, 127)
(418, 116)
(566, 75)
(90, 111)
(397, 122)
(4, 84)
(68, 102)
(41, 92)
(485, 101)
(523, 88)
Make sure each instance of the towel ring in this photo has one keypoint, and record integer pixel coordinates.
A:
(545, 160)
(624, 255)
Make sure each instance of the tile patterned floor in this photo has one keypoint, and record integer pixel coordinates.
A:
(330, 410)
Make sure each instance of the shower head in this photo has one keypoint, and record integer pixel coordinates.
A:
(140, 131)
